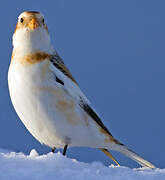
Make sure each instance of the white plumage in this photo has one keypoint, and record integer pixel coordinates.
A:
(47, 98)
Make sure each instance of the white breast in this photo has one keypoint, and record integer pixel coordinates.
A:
(27, 99)
(52, 117)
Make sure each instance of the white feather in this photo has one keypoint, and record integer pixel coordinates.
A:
(27, 41)
(48, 109)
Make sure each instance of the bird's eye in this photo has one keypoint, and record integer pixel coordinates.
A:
(43, 21)
(21, 20)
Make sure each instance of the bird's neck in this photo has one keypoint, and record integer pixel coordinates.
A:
(26, 42)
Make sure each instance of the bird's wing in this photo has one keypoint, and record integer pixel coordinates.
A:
(65, 78)
(59, 64)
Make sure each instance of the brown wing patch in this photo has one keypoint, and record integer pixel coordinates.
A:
(65, 70)
(59, 64)
(95, 117)
(109, 138)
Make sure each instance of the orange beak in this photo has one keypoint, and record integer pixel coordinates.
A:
(33, 24)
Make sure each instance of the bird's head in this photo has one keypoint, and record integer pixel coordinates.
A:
(31, 20)
(31, 33)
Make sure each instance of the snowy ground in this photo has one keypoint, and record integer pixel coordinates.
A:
(17, 166)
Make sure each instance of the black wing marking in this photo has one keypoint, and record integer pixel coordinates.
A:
(96, 118)
(57, 58)
(59, 64)
(59, 81)
(93, 114)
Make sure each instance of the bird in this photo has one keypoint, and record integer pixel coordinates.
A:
(48, 99)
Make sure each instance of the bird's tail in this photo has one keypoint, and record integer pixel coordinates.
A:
(129, 153)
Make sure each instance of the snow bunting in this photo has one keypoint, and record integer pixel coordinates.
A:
(48, 99)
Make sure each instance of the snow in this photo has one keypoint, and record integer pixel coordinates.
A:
(19, 166)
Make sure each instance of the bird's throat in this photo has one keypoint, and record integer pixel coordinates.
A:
(26, 41)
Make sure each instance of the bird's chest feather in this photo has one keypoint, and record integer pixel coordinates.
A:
(35, 98)
(27, 83)
(34, 88)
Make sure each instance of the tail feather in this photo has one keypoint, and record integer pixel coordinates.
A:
(129, 153)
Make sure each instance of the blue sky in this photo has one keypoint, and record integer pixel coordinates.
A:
(115, 50)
